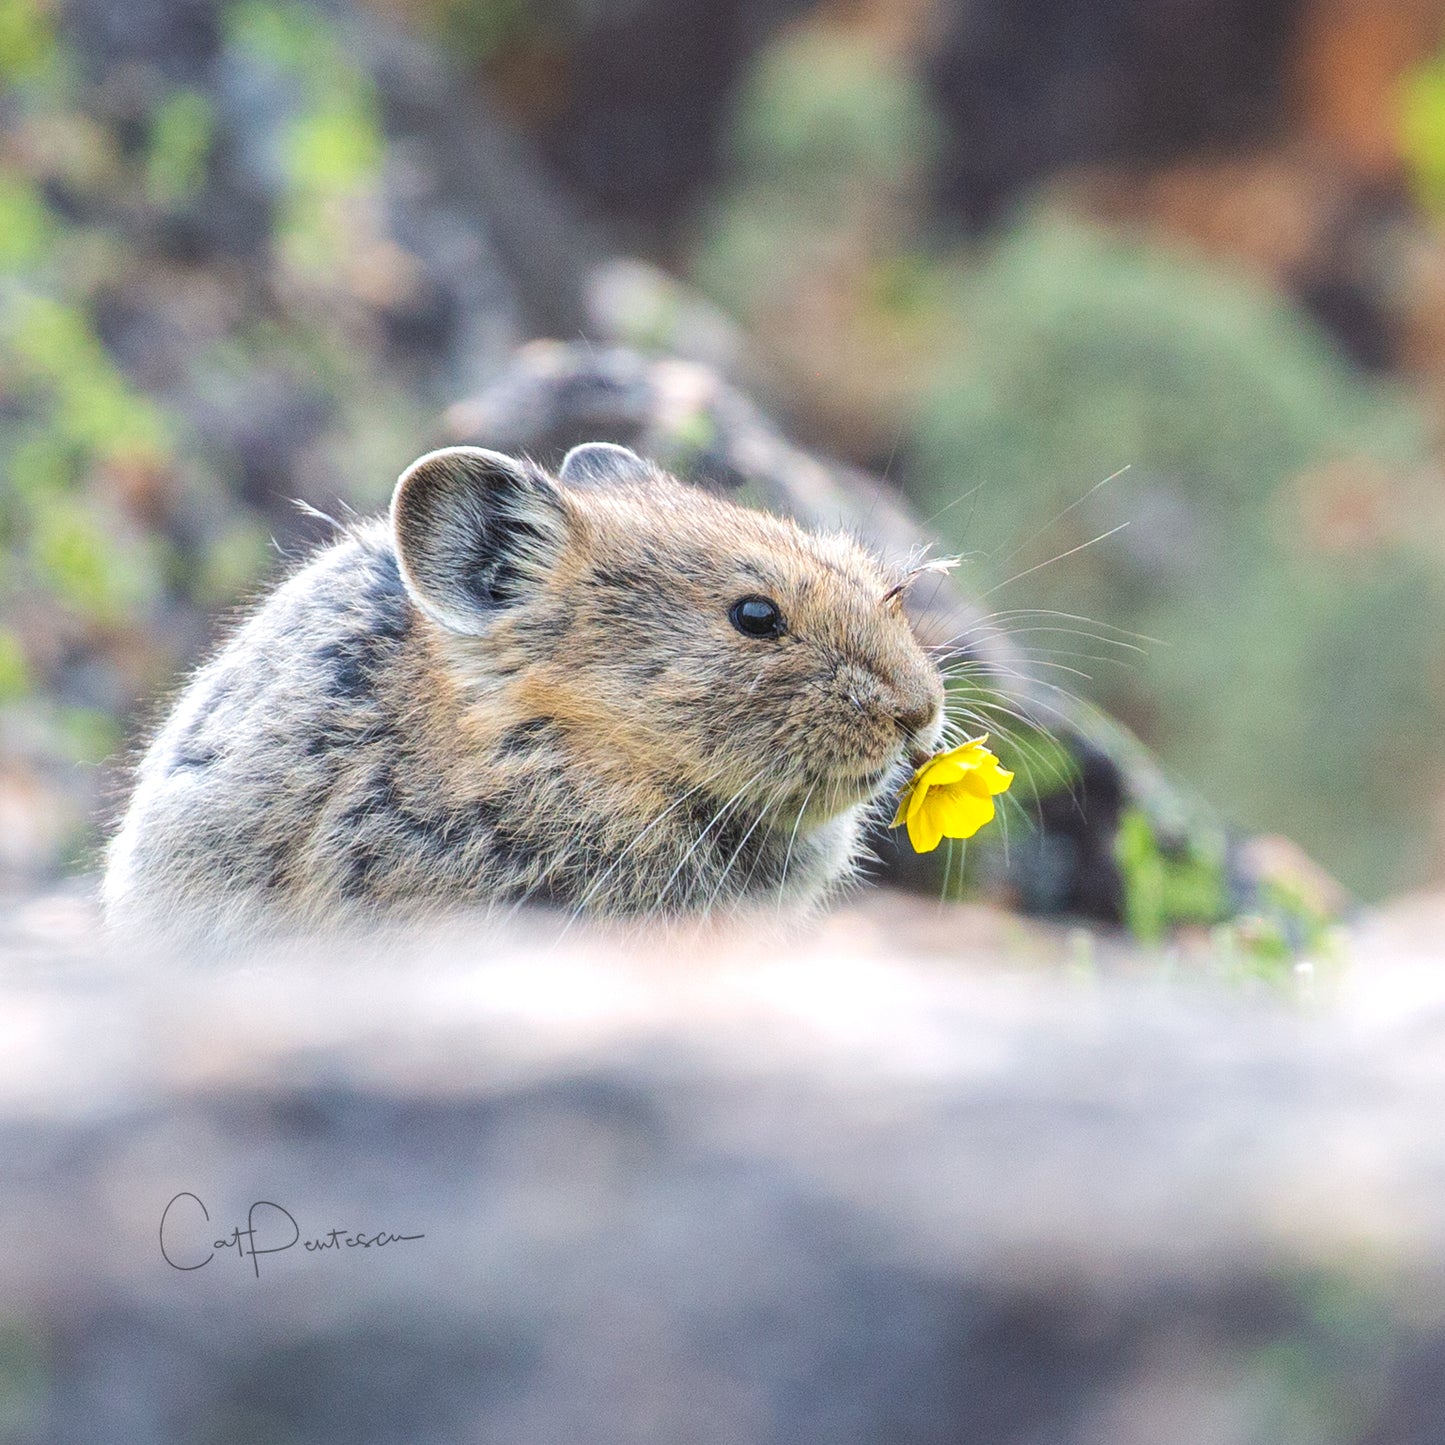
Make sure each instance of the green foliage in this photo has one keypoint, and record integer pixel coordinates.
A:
(76, 414)
(332, 144)
(1293, 684)
(180, 144)
(823, 116)
(289, 35)
(26, 232)
(15, 680)
(828, 134)
(1079, 351)
(27, 41)
(1422, 131)
(1281, 940)
(230, 563)
(334, 148)
(1164, 888)
(56, 356)
(93, 562)
(479, 30)
(121, 516)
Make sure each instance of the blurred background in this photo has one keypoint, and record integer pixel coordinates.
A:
(996, 249)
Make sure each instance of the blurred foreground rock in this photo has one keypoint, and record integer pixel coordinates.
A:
(671, 1193)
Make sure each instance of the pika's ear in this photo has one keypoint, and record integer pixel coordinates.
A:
(603, 464)
(475, 531)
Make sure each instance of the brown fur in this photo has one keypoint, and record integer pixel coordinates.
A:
(520, 690)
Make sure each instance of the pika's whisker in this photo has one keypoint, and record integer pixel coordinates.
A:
(593, 890)
(1058, 557)
(792, 839)
(701, 838)
(1059, 516)
(736, 854)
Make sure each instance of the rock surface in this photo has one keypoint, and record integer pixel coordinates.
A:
(676, 1189)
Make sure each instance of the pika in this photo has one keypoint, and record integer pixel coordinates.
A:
(603, 690)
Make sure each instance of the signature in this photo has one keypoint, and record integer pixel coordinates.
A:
(270, 1229)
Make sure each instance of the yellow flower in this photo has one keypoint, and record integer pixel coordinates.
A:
(951, 795)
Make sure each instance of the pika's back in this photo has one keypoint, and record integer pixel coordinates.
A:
(603, 691)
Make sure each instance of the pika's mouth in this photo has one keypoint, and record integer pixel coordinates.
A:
(837, 790)
(918, 755)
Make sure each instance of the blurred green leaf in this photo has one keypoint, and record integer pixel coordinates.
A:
(102, 571)
(1422, 131)
(27, 41)
(15, 676)
(336, 147)
(180, 143)
(26, 232)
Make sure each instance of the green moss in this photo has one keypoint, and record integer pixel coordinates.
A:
(27, 41)
(1167, 887)
(1422, 131)
(91, 565)
(15, 677)
(26, 230)
(181, 135)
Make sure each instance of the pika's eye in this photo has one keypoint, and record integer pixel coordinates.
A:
(757, 617)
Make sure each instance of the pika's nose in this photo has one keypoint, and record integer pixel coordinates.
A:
(918, 714)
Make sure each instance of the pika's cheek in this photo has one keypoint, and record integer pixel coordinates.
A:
(854, 730)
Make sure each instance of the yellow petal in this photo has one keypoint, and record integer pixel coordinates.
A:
(964, 813)
(994, 777)
(950, 766)
(921, 789)
(925, 829)
(951, 795)
(903, 803)
(938, 772)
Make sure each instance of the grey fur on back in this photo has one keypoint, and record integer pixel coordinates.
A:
(302, 668)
